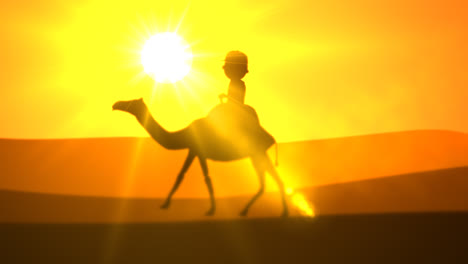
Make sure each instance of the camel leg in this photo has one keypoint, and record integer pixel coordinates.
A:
(180, 177)
(204, 167)
(272, 171)
(260, 169)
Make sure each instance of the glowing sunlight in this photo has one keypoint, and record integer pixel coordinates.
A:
(300, 202)
(166, 57)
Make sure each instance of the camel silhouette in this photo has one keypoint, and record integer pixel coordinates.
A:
(218, 140)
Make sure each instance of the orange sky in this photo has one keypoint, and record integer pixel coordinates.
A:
(318, 69)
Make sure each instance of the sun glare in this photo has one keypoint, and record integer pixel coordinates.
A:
(166, 57)
(300, 202)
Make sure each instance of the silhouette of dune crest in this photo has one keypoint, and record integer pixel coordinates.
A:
(107, 166)
(433, 191)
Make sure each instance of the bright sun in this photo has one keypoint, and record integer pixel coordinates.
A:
(166, 57)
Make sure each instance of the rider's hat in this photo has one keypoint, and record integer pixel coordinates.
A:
(236, 57)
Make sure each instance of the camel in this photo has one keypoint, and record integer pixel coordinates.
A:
(203, 141)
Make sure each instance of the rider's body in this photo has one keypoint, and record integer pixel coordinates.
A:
(235, 68)
(237, 122)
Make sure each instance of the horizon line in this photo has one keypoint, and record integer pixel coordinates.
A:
(282, 142)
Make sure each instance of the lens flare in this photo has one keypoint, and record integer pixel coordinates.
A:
(300, 202)
(166, 57)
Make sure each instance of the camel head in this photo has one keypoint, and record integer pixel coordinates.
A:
(134, 107)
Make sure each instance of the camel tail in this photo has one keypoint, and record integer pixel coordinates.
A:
(276, 147)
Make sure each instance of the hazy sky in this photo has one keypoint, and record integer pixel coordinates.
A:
(318, 69)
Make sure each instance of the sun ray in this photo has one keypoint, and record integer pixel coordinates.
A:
(300, 202)
(183, 17)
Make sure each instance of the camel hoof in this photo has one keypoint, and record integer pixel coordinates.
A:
(210, 212)
(285, 214)
(165, 205)
(243, 213)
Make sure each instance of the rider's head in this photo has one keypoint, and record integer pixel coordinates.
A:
(235, 65)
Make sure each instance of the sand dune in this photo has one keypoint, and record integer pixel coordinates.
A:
(139, 167)
(434, 191)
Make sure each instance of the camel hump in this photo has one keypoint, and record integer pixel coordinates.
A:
(232, 112)
(240, 123)
(251, 112)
